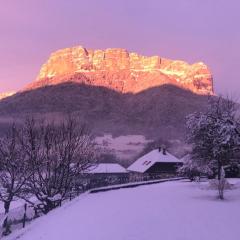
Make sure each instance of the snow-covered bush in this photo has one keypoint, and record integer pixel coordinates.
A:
(213, 184)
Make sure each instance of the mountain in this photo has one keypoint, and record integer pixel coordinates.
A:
(154, 113)
(122, 71)
(122, 94)
(6, 94)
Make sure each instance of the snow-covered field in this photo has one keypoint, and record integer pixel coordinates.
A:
(170, 211)
(125, 147)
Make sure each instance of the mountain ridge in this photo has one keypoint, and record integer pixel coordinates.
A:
(156, 111)
(121, 70)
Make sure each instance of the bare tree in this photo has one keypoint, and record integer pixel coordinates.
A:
(57, 155)
(14, 170)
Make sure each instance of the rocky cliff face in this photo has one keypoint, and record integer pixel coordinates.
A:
(122, 71)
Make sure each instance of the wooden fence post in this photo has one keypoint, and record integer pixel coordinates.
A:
(25, 215)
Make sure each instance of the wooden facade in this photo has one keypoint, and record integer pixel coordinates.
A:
(164, 167)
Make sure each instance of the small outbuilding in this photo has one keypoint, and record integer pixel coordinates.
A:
(106, 174)
(107, 168)
(155, 162)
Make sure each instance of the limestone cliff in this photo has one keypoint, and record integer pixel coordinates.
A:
(122, 71)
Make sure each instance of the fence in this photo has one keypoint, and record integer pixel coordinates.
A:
(91, 183)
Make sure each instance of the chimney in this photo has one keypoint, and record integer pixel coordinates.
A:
(164, 149)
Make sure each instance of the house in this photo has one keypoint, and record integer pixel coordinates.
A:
(107, 168)
(155, 162)
(106, 174)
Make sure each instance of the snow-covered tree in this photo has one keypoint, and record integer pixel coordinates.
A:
(57, 155)
(193, 169)
(214, 135)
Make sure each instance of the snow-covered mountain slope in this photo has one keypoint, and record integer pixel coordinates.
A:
(169, 211)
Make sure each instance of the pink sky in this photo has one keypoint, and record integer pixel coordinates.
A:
(191, 30)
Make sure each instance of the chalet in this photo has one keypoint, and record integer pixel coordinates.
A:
(156, 162)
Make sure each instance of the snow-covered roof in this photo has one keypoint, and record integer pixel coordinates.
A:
(186, 157)
(107, 168)
(145, 162)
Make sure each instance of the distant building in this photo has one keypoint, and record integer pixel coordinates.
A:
(155, 162)
(107, 168)
(106, 174)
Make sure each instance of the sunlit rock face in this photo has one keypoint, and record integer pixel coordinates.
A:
(6, 94)
(122, 71)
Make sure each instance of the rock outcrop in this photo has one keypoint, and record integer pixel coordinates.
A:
(120, 70)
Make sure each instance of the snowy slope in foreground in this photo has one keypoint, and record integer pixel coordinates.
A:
(169, 211)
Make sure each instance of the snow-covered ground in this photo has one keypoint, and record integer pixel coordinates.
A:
(14, 205)
(16, 212)
(170, 211)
